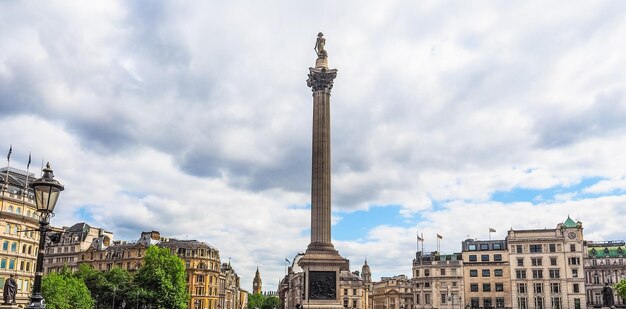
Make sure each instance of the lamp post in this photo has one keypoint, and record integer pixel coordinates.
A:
(47, 191)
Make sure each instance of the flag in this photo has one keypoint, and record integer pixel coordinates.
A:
(492, 230)
(10, 151)
(439, 236)
(419, 238)
(28, 165)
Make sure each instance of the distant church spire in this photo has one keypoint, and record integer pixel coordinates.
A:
(257, 285)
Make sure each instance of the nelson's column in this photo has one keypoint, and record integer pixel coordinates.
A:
(321, 262)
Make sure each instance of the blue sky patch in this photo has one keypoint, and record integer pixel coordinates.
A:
(536, 196)
(356, 225)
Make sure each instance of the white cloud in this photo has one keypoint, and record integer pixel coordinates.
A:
(194, 118)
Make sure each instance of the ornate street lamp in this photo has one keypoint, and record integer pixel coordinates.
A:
(47, 191)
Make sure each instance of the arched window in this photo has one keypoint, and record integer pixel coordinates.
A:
(5, 246)
(3, 263)
(30, 249)
(10, 209)
(18, 211)
(8, 229)
(13, 247)
(15, 229)
(12, 264)
(24, 249)
(28, 213)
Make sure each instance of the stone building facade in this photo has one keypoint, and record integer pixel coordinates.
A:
(546, 267)
(486, 274)
(122, 254)
(228, 288)
(605, 262)
(437, 280)
(393, 293)
(19, 236)
(70, 243)
(202, 265)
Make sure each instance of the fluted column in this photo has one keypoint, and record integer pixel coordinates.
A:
(321, 82)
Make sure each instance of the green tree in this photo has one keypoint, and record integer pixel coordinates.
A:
(620, 289)
(255, 301)
(107, 287)
(271, 302)
(162, 277)
(65, 291)
(94, 280)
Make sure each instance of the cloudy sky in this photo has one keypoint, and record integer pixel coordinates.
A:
(194, 119)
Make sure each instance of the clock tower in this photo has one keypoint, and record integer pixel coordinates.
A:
(256, 283)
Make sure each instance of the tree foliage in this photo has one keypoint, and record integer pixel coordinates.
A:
(108, 287)
(162, 280)
(255, 301)
(65, 291)
(271, 302)
(262, 302)
(620, 289)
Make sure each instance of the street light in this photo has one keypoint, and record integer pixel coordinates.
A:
(47, 191)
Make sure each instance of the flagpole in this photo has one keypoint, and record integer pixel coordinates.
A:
(6, 180)
(27, 169)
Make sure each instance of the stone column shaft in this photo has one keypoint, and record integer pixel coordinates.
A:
(321, 82)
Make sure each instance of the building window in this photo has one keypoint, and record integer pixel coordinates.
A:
(573, 261)
(5, 246)
(499, 287)
(442, 271)
(521, 288)
(11, 264)
(427, 299)
(486, 287)
(475, 302)
(427, 272)
(3, 263)
(552, 261)
(497, 272)
(474, 287)
(522, 303)
(417, 273)
(471, 247)
(572, 247)
(484, 246)
(520, 261)
(576, 288)
(537, 273)
(13, 247)
(576, 303)
(486, 273)
(497, 246)
(556, 303)
(555, 288)
(520, 274)
(574, 273)
(518, 249)
(443, 298)
(497, 257)
(538, 288)
(536, 261)
(552, 247)
(484, 257)
(535, 248)
(499, 302)
(539, 302)
(555, 273)
(472, 258)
